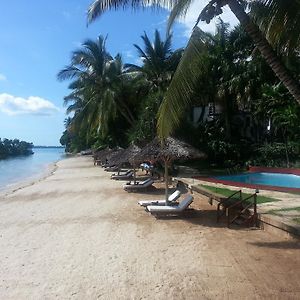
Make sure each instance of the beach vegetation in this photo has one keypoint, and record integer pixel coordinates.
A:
(219, 94)
(275, 19)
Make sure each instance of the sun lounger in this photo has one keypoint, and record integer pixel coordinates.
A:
(172, 199)
(111, 169)
(125, 176)
(171, 209)
(138, 186)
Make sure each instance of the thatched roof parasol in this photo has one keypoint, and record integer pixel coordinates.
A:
(101, 154)
(127, 156)
(115, 154)
(169, 149)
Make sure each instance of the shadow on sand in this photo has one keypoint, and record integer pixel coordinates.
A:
(278, 245)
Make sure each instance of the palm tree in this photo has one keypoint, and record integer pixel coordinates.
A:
(153, 76)
(159, 62)
(214, 8)
(97, 88)
(280, 21)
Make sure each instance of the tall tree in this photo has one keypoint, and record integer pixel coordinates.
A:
(158, 64)
(159, 61)
(98, 88)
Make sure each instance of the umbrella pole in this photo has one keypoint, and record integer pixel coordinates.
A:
(134, 177)
(166, 181)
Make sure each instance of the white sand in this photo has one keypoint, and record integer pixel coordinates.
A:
(77, 235)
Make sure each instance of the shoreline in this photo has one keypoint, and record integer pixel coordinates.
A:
(23, 183)
(78, 235)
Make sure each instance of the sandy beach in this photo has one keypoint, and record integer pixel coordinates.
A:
(77, 235)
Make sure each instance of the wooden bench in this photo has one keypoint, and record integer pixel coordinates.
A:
(222, 202)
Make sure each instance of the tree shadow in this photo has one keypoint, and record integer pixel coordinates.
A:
(207, 218)
(278, 245)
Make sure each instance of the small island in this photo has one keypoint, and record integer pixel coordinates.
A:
(15, 147)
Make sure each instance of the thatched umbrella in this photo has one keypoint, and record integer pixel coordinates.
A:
(114, 155)
(166, 151)
(127, 156)
(101, 154)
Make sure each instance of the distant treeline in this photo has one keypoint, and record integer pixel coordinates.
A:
(14, 147)
(42, 147)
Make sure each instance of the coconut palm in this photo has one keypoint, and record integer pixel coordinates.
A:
(159, 62)
(98, 87)
(280, 21)
(214, 8)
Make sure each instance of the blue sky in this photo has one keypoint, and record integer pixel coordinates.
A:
(37, 38)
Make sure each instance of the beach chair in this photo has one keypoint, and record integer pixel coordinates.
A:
(171, 209)
(111, 169)
(138, 186)
(172, 199)
(125, 176)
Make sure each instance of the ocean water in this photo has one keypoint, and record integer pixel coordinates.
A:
(17, 169)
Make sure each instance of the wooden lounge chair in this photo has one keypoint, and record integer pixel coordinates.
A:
(171, 209)
(172, 199)
(125, 176)
(138, 186)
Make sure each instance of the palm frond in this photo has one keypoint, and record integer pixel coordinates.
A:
(177, 99)
(179, 10)
(280, 21)
(69, 72)
(98, 7)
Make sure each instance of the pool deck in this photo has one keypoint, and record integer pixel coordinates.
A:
(280, 219)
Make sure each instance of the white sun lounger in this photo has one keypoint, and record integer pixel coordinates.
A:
(138, 185)
(172, 198)
(171, 209)
(125, 176)
(121, 172)
(111, 169)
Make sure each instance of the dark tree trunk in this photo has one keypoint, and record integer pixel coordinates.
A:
(265, 49)
(227, 115)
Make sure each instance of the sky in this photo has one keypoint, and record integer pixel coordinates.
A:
(36, 41)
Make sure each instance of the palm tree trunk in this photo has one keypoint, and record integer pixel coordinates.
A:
(227, 115)
(126, 113)
(265, 49)
(166, 182)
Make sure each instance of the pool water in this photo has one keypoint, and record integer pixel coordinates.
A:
(271, 179)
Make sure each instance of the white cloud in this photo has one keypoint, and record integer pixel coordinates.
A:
(12, 105)
(192, 14)
(2, 77)
(128, 54)
(138, 61)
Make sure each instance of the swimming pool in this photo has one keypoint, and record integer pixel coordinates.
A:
(268, 179)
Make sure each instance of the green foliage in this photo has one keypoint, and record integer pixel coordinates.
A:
(274, 154)
(14, 147)
(112, 103)
(145, 127)
(277, 105)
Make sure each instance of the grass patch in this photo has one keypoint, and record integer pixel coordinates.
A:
(278, 211)
(226, 192)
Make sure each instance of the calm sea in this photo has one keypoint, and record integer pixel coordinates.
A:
(14, 170)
